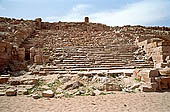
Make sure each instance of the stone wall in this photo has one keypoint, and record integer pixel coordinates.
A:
(11, 58)
(153, 79)
(157, 50)
(5, 54)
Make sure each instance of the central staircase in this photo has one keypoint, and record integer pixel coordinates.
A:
(79, 59)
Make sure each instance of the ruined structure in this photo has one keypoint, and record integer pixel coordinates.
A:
(85, 48)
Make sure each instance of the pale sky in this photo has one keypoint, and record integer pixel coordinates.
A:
(110, 12)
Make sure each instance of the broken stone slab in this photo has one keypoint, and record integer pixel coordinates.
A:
(150, 72)
(28, 87)
(29, 73)
(42, 73)
(2, 93)
(11, 92)
(112, 87)
(29, 81)
(165, 83)
(48, 94)
(45, 87)
(72, 85)
(22, 92)
(147, 79)
(136, 74)
(35, 96)
(145, 73)
(97, 92)
(150, 87)
(59, 95)
(4, 80)
(5, 75)
(127, 74)
(137, 85)
(14, 82)
(92, 93)
(164, 71)
(147, 89)
(2, 87)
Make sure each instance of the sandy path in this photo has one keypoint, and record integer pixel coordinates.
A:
(118, 102)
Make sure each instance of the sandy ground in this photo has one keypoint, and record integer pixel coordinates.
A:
(118, 102)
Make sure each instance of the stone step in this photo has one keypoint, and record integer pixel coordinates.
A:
(77, 57)
(108, 65)
(144, 63)
(137, 60)
(73, 64)
(54, 68)
(75, 61)
(144, 66)
(73, 69)
(104, 63)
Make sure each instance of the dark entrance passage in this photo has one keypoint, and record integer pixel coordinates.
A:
(27, 55)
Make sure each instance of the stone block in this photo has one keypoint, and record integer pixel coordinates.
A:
(4, 80)
(72, 85)
(29, 81)
(149, 73)
(112, 87)
(164, 71)
(155, 86)
(45, 58)
(163, 44)
(160, 65)
(37, 59)
(35, 96)
(165, 82)
(11, 92)
(147, 89)
(86, 19)
(2, 93)
(42, 73)
(9, 48)
(21, 50)
(22, 92)
(3, 44)
(147, 79)
(14, 82)
(136, 74)
(48, 94)
(2, 49)
(128, 74)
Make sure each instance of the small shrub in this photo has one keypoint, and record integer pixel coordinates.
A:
(137, 80)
